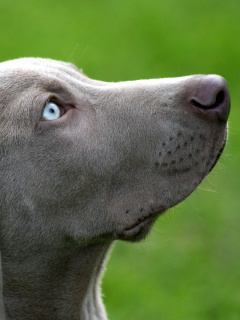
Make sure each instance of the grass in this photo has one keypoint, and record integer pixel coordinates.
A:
(188, 268)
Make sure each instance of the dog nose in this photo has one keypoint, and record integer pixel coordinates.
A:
(210, 97)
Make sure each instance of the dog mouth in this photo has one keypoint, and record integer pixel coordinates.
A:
(218, 156)
(140, 228)
(139, 225)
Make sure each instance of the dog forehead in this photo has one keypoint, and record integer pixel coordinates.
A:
(37, 64)
(29, 72)
(29, 75)
(35, 70)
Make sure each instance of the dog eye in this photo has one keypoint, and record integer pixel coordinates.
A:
(51, 111)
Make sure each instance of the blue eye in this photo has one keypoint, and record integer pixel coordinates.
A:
(51, 112)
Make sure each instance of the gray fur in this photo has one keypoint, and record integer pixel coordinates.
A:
(118, 158)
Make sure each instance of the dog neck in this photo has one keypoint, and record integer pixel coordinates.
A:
(64, 284)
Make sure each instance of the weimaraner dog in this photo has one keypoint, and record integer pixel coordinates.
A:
(86, 162)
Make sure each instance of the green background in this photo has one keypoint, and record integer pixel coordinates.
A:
(189, 267)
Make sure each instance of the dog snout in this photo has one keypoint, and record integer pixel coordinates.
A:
(210, 97)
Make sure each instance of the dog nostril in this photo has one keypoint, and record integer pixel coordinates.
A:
(209, 96)
(218, 101)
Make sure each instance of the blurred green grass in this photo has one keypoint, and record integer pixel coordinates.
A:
(189, 267)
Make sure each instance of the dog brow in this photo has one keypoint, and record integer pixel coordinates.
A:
(56, 87)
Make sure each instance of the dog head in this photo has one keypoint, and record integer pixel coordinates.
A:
(93, 160)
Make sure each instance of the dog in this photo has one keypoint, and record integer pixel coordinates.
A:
(85, 163)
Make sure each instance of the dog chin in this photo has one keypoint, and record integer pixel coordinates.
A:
(139, 230)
